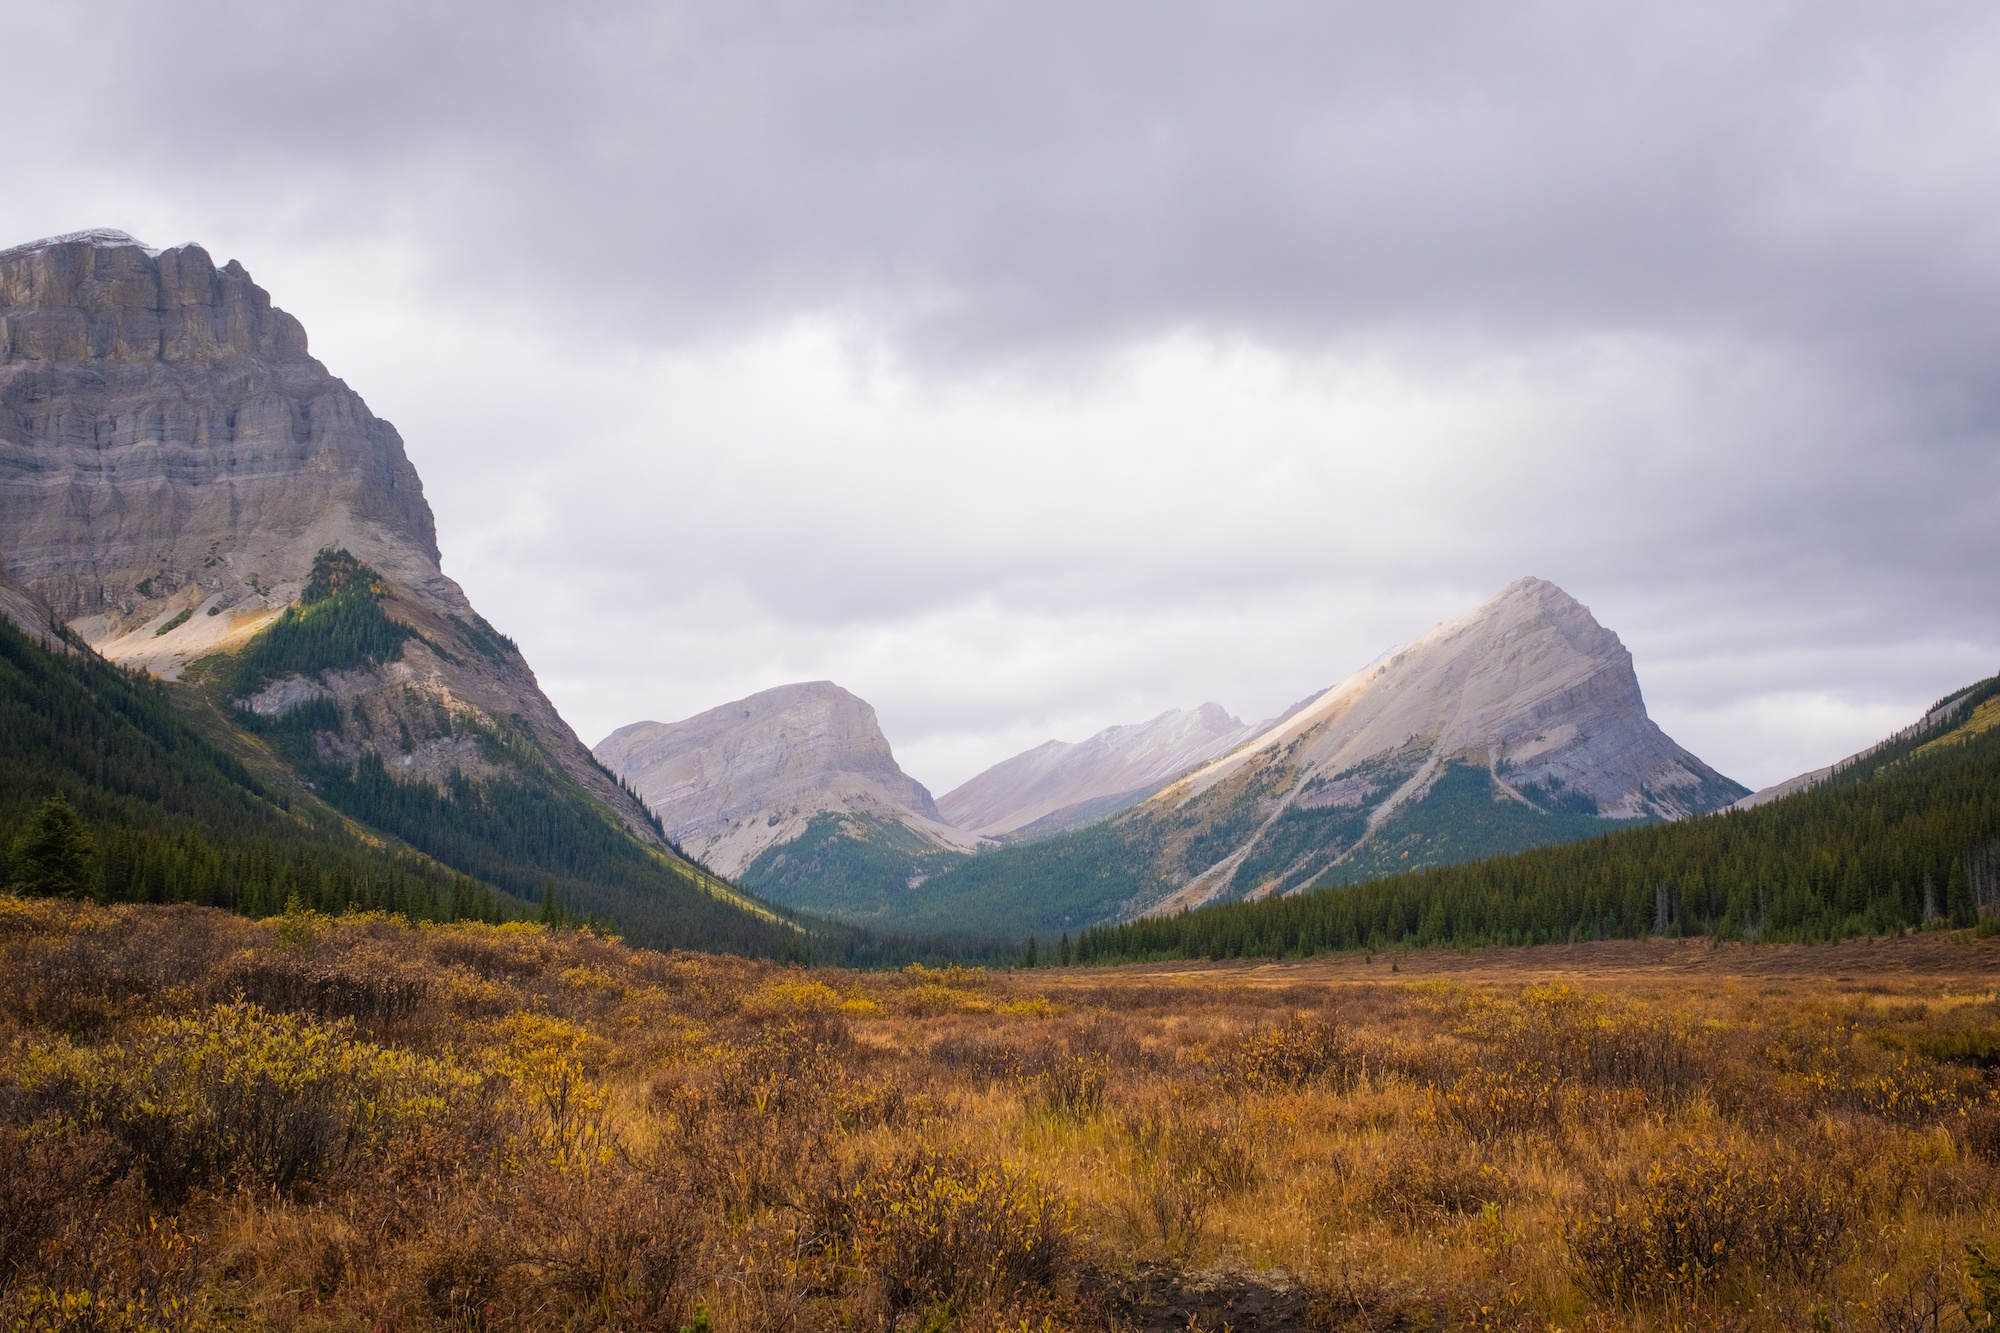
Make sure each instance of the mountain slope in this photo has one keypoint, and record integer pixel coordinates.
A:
(793, 790)
(173, 817)
(1907, 835)
(1517, 725)
(176, 471)
(1060, 785)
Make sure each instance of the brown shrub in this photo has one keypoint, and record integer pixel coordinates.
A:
(1189, 1158)
(1982, 1132)
(758, 1122)
(939, 1228)
(48, 1182)
(1433, 1179)
(321, 988)
(1298, 1053)
(1704, 1213)
(80, 970)
(1488, 1104)
(1579, 1038)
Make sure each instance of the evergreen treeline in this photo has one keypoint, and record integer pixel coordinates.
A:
(338, 623)
(1908, 837)
(105, 791)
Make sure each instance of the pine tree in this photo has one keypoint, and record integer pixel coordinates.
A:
(1959, 904)
(1029, 961)
(53, 856)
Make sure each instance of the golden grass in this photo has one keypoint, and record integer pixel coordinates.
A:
(359, 1124)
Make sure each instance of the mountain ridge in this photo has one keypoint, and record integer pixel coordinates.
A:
(1060, 784)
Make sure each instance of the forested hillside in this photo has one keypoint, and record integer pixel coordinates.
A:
(158, 813)
(165, 813)
(1908, 837)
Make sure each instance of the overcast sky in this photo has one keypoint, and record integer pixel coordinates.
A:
(1031, 367)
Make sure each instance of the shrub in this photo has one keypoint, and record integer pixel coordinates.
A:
(544, 1058)
(240, 1094)
(1188, 1160)
(1492, 1104)
(1298, 1052)
(1704, 1213)
(1982, 1133)
(936, 1227)
(324, 990)
(1065, 1083)
(1434, 1179)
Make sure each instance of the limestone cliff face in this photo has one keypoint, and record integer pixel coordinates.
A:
(752, 774)
(1060, 785)
(171, 460)
(1529, 689)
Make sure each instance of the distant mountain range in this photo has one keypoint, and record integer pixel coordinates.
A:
(1517, 725)
(186, 493)
(1058, 785)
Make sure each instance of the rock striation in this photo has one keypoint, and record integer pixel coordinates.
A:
(1528, 691)
(753, 774)
(172, 459)
(1062, 785)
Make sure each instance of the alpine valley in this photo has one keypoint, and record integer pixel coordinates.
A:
(233, 672)
(1518, 725)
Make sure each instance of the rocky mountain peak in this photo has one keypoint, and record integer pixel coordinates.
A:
(173, 462)
(1527, 689)
(741, 777)
(102, 296)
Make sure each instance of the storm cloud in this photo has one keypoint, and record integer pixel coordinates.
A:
(1028, 368)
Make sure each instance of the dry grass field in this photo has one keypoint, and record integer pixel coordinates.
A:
(352, 1123)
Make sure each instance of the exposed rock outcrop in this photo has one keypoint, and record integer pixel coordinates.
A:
(172, 459)
(1528, 688)
(752, 774)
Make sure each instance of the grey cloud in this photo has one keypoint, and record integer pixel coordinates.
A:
(1783, 211)
(994, 177)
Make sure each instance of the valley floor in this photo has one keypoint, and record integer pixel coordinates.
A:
(333, 1123)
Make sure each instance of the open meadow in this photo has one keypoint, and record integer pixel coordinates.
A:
(355, 1123)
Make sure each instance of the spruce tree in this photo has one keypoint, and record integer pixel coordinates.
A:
(53, 857)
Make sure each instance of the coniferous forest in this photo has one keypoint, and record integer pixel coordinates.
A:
(1906, 838)
(139, 807)
(108, 791)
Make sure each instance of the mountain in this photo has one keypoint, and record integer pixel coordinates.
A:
(1060, 785)
(191, 493)
(1942, 711)
(1517, 725)
(170, 815)
(1905, 835)
(794, 791)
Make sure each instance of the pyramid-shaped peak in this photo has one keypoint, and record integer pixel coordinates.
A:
(1525, 601)
(1528, 588)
